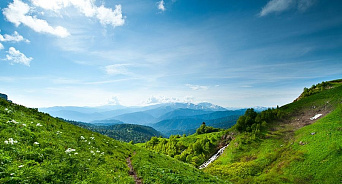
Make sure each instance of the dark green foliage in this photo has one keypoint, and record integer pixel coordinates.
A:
(255, 122)
(122, 132)
(206, 129)
(193, 149)
(315, 89)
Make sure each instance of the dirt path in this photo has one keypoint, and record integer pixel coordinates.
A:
(132, 172)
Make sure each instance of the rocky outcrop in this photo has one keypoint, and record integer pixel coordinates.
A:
(3, 96)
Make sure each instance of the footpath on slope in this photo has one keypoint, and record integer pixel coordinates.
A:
(132, 172)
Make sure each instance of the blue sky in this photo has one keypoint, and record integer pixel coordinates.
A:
(230, 53)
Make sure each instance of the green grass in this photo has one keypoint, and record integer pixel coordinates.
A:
(158, 168)
(278, 156)
(194, 149)
(49, 150)
(39, 153)
(322, 159)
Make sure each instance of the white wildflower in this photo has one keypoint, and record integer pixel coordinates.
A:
(88, 142)
(58, 132)
(12, 174)
(24, 124)
(10, 141)
(12, 121)
(93, 138)
(36, 143)
(69, 150)
(21, 166)
(38, 124)
(98, 151)
(75, 153)
(102, 153)
(82, 137)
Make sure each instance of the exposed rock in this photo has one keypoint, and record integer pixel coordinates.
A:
(3, 96)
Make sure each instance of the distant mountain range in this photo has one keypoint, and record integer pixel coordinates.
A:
(167, 118)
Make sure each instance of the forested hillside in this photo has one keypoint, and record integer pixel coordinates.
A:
(122, 132)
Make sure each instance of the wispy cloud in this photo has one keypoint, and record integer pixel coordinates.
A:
(278, 6)
(116, 69)
(16, 13)
(15, 56)
(161, 5)
(197, 87)
(15, 37)
(1, 46)
(274, 6)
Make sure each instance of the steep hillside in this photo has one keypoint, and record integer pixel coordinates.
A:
(37, 148)
(302, 144)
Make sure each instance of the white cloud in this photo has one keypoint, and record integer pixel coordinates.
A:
(163, 99)
(161, 5)
(15, 37)
(275, 6)
(116, 69)
(15, 56)
(114, 101)
(1, 46)
(197, 87)
(16, 13)
(106, 16)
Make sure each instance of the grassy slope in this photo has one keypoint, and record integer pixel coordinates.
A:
(96, 159)
(279, 158)
(193, 149)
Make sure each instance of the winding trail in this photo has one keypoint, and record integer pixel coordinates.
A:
(132, 172)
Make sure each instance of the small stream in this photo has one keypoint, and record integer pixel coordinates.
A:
(213, 158)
